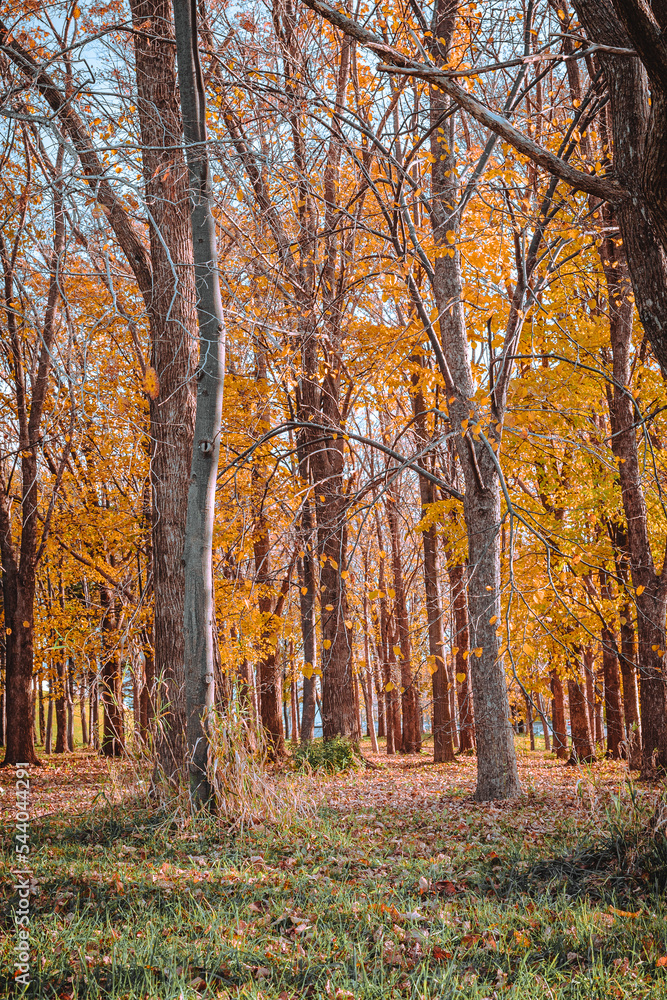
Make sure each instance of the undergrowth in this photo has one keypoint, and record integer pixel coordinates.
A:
(330, 756)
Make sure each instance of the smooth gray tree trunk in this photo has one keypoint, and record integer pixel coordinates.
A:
(199, 595)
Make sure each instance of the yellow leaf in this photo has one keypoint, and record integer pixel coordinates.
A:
(391, 592)
(466, 654)
(455, 650)
(151, 383)
(8, 631)
(522, 939)
(348, 624)
(344, 575)
(397, 650)
(307, 671)
(329, 607)
(383, 554)
(640, 590)
(333, 563)
(321, 499)
(389, 686)
(304, 590)
(26, 624)
(479, 651)
(373, 594)
(327, 643)
(624, 913)
(460, 678)
(492, 621)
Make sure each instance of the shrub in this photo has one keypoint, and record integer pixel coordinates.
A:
(330, 756)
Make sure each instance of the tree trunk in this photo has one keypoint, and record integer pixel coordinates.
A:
(582, 741)
(558, 716)
(112, 735)
(380, 701)
(650, 587)
(461, 653)
(40, 696)
(366, 687)
(589, 677)
(545, 724)
(199, 591)
(411, 737)
(528, 698)
(82, 710)
(307, 582)
(612, 680)
(443, 726)
(49, 725)
(94, 711)
(170, 380)
(61, 710)
(69, 699)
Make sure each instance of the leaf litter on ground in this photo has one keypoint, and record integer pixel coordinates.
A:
(398, 885)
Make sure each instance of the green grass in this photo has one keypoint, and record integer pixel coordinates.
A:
(333, 905)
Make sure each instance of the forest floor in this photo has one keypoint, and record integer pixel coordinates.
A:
(396, 884)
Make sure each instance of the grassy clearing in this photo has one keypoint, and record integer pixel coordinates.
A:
(399, 886)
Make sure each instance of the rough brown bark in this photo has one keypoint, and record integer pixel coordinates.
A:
(170, 300)
(649, 585)
(582, 740)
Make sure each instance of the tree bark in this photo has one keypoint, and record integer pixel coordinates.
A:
(170, 302)
(582, 740)
(199, 591)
